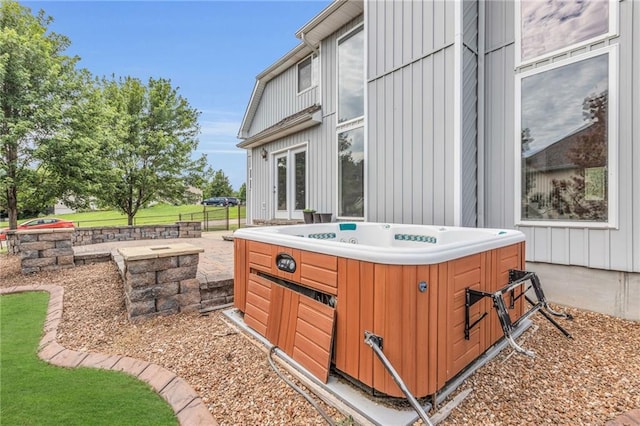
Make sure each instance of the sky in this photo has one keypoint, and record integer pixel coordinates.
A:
(210, 50)
(548, 26)
(551, 118)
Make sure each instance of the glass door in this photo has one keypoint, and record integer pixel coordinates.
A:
(290, 188)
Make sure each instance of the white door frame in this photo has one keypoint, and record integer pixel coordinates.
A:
(288, 155)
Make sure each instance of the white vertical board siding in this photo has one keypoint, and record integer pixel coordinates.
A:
(634, 113)
(614, 249)
(410, 81)
(280, 100)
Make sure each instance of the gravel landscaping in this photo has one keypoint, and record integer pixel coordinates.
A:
(588, 380)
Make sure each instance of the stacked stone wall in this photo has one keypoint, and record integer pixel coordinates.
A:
(97, 235)
(160, 280)
(45, 250)
(216, 293)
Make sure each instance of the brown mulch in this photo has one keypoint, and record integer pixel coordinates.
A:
(588, 380)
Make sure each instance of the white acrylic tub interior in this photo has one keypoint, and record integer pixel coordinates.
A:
(385, 243)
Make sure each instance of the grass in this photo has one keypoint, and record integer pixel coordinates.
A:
(156, 215)
(33, 392)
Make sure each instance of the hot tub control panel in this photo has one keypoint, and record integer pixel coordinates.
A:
(286, 263)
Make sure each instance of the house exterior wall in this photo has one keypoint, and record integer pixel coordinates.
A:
(280, 99)
(611, 249)
(410, 112)
(280, 95)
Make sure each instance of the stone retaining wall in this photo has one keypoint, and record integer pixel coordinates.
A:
(160, 280)
(97, 235)
(217, 293)
(45, 250)
(83, 236)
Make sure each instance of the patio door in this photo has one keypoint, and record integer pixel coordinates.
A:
(290, 183)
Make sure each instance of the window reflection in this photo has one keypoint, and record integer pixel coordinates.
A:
(300, 180)
(564, 142)
(351, 172)
(551, 25)
(282, 183)
(304, 74)
(351, 77)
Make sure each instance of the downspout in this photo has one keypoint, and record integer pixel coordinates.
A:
(313, 49)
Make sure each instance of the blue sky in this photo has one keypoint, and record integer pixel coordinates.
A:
(211, 50)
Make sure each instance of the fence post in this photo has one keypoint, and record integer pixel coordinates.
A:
(238, 215)
(180, 217)
(227, 214)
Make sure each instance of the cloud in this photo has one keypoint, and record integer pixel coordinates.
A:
(217, 128)
(552, 100)
(551, 25)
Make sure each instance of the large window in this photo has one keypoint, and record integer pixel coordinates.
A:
(351, 172)
(350, 127)
(566, 118)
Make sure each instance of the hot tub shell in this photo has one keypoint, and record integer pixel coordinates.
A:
(404, 283)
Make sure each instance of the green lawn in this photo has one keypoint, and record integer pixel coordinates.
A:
(36, 393)
(156, 215)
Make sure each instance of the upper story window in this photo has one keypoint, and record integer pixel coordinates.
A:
(552, 26)
(566, 118)
(350, 126)
(307, 73)
(351, 76)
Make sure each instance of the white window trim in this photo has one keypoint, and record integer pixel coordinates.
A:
(612, 143)
(351, 124)
(315, 71)
(614, 8)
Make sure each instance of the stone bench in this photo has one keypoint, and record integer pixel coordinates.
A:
(160, 280)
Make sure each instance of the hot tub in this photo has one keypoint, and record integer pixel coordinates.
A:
(313, 290)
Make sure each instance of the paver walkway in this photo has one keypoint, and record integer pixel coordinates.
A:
(185, 402)
(216, 263)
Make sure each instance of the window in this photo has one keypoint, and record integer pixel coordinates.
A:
(350, 127)
(552, 26)
(566, 116)
(307, 73)
(351, 173)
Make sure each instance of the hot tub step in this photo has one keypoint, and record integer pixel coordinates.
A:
(520, 282)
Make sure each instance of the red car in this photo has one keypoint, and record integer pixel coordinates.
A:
(40, 224)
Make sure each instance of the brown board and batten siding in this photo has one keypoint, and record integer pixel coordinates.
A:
(608, 249)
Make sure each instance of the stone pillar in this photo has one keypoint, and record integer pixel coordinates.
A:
(45, 249)
(13, 247)
(189, 229)
(160, 280)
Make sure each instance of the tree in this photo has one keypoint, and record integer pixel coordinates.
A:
(571, 197)
(242, 192)
(43, 99)
(152, 135)
(219, 185)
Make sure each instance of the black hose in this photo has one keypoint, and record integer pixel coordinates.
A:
(295, 387)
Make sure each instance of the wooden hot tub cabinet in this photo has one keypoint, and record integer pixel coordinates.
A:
(422, 331)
